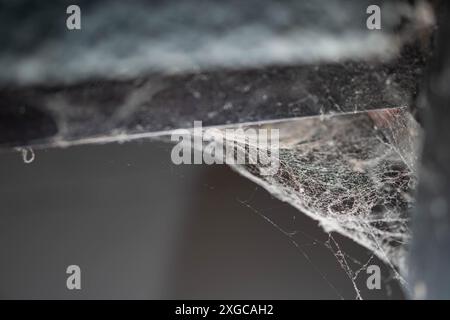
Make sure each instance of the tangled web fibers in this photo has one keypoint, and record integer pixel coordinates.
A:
(354, 173)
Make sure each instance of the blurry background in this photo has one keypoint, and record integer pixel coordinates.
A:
(140, 227)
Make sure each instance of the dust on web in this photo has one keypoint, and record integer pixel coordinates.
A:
(355, 174)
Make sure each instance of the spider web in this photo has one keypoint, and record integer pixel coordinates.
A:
(355, 174)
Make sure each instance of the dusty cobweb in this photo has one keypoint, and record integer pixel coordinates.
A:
(354, 174)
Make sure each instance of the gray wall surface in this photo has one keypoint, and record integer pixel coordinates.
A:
(140, 227)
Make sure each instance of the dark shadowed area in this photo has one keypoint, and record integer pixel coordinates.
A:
(140, 227)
